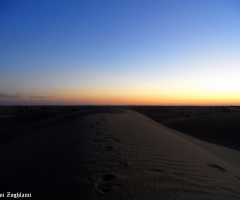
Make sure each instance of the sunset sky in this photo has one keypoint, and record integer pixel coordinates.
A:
(120, 52)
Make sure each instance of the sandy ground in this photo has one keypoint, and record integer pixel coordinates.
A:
(213, 124)
(110, 153)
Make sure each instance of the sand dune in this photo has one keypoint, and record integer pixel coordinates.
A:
(214, 124)
(115, 154)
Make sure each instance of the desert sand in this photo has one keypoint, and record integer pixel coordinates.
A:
(111, 153)
(214, 124)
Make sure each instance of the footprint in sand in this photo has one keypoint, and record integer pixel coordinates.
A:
(121, 161)
(105, 183)
(98, 140)
(108, 147)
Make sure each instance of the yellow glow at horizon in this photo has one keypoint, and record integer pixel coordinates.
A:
(178, 97)
(210, 81)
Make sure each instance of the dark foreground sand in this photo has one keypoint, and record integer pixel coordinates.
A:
(110, 153)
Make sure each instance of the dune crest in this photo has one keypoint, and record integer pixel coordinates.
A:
(132, 157)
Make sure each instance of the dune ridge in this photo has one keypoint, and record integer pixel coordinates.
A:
(139, 159)
(111, 153)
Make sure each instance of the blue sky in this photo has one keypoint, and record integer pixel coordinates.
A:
(94, 52)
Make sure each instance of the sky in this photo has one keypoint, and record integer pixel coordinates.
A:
(121, 52)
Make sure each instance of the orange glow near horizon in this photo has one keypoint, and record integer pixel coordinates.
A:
(168, 95)
(142, 99)
(217, 86)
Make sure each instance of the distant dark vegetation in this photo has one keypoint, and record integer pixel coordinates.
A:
(15, 116)
(166, 113)
(16, 110)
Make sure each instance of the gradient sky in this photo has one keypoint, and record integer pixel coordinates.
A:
(120, 52)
